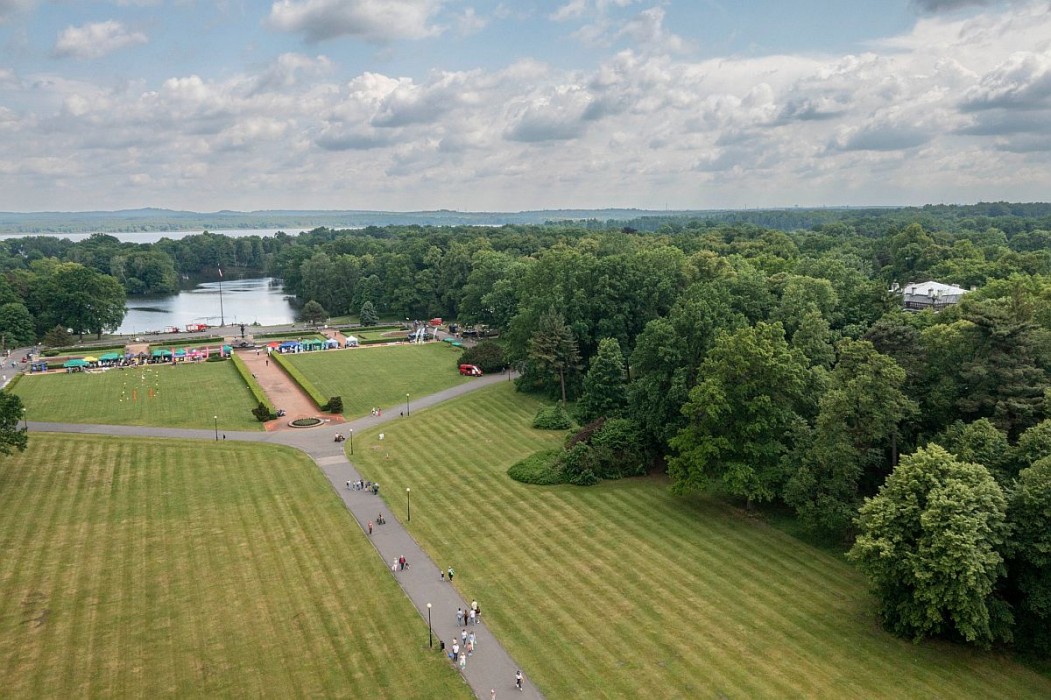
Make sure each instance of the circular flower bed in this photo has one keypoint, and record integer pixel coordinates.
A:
(305, 422)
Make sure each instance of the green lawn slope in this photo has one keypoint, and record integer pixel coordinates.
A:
(623, 590)
(160, 568)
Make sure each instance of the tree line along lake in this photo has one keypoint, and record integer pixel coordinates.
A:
(259, 300)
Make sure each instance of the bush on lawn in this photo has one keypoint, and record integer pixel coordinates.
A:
(334, 405)
(262, 413)
(538, 468)
(552, 418)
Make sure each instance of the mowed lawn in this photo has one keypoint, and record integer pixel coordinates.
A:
(167, 568)
(380, 376)
(187, 396)
(623, 590)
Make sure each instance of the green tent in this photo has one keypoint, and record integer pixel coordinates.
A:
(109, 357)
(74, 363)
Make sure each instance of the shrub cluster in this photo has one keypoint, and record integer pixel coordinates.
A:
(538, 468)
(552, 418)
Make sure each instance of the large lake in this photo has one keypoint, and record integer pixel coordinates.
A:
(259, 300)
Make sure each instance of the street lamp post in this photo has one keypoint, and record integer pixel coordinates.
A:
(406, 404)
(216, 418)
(430, 632)
(352, 442)
(25, 417)
(408, 506)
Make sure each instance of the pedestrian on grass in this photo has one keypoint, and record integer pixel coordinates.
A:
(451, 574)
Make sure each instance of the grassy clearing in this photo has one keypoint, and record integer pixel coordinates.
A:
(188, 569)
(186, 396)
(380, 376)
(623, 590)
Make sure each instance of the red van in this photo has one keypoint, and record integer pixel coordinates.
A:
(470, 371)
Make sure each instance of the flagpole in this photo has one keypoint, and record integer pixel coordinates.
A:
(222, 315)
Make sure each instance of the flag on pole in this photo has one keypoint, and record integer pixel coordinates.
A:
(220, 270)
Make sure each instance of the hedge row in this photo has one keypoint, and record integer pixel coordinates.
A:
(253, 386)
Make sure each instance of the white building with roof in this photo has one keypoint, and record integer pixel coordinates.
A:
(929, 295)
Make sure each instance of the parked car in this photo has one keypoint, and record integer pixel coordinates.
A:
(470, 371)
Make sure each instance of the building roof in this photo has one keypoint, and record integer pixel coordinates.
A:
(931, 294)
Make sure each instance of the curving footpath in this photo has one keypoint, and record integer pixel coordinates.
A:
(491, 667)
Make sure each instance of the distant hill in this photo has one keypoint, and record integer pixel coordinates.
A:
(151, 220)
(293, 221)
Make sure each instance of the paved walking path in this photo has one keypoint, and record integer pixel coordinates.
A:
(491, 667)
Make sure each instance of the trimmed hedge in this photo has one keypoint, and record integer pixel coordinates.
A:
(538, 468)
(257, 391)
(297, 376)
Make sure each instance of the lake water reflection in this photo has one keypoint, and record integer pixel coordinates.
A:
(258, 300)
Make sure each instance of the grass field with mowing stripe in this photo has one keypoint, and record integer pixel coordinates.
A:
(380, 376)
(623, 590)
(194, 569)
(187, 396)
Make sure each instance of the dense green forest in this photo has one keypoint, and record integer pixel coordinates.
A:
(763, 358)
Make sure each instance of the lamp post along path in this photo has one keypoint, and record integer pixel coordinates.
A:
(408, 506)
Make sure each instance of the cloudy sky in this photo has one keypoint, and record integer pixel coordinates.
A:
(521, 104)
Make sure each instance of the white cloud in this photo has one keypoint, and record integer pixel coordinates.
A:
(291, 68)
(371, 20)
(959, 106)
(96, 40)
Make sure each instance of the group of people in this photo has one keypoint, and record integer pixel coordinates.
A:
(471, 616)
(377, 412)
(361, 485)
(339, 437)
(399, 564)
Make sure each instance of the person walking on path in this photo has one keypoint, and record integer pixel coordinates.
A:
(463, 662)
(472, 617)
(518, 679)
(370, 527)
(459, 617)
(451, 574)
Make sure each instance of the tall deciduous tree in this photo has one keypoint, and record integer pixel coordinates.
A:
(11, 412)
(741, 415)
(16, 325)
(554, 348)
(930, 543)
(854, 438)
(85, 300)
(1030, 565)
(604, 385)
(313, 312)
